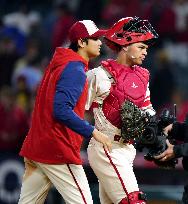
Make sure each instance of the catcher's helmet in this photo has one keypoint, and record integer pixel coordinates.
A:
(130, 30)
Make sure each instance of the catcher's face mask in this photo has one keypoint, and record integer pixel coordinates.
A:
(131, 30)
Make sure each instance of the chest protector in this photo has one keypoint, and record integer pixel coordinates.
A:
(129, 84)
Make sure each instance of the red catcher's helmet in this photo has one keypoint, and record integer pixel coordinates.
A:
(130, 30)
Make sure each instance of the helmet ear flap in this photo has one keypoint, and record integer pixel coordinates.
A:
(114, 46)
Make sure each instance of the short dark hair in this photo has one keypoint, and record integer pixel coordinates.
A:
(74, 45)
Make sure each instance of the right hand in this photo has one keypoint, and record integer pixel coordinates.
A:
(167, 154)
(102, 138)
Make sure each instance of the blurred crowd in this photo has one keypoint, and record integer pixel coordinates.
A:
(30, 31)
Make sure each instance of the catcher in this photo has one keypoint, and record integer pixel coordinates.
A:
(112, 83)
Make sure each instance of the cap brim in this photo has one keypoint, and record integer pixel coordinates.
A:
(99, 34)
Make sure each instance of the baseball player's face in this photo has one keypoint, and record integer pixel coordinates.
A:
(93, 47)
(137, 52)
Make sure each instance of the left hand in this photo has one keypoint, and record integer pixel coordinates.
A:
(167, 154)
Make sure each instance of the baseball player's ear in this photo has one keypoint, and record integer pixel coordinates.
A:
(81, 43)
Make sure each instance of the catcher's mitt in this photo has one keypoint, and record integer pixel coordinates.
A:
(133, 121)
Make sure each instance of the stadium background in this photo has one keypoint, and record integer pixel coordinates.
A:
(29, 33)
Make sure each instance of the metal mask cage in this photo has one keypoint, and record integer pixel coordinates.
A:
(136, 27)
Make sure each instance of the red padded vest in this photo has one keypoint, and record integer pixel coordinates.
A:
(130, 83)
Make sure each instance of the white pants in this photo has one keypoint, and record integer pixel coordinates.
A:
(69, 179)
(114, 170)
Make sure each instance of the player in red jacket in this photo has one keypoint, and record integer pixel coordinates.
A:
(113, 82)
(52, 146)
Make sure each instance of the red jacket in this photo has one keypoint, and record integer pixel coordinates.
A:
(49, 141)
